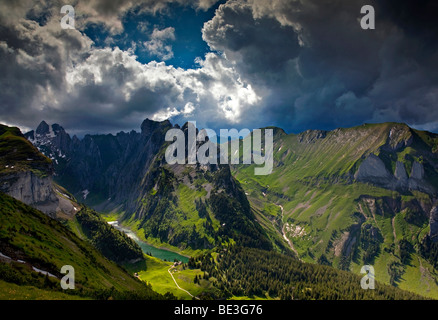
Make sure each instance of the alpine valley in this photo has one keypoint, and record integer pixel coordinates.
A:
(334, 202)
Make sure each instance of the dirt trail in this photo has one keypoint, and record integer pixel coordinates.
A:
(177, 285)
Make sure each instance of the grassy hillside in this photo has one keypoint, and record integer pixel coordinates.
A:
(156, 272)
(313, 198)
(18, 154)
(12, 291)
(193, 207)
(112, 243)
(43, 243)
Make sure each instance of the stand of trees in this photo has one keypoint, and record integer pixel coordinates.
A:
(429, 250)
(112, 243)
(241, 271)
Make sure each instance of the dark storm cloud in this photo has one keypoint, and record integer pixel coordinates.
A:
(34, 60)
(340, 75)
(60, 76)
(57, 75)
(417, 18)
(107, 89)
(295, 64)
(258, 45)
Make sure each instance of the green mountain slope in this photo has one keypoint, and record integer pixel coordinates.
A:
(34, 245)
(190, 207)
(17, 153)
(112, 243)
(257, 273)
(26, 175)
(351, 197)
(193, 207)
(345, 198)
(29, 239)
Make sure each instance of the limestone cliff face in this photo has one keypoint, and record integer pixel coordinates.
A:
(374, 171)
(26, 174)
(32, 190)
(104, 171)
(399, 137)
(400, 173)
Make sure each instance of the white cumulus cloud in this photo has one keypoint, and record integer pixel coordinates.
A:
(158, 45)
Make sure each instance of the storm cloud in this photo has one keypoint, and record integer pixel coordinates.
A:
(294, 64)
(322, 70)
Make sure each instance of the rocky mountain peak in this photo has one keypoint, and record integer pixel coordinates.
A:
(278, 132)
(310, 136)
(43, 128)
(57, 129)
(51, 140)
(400, 136)
(149, 126)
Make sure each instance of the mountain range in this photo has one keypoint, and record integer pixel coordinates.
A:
(342, 198)
(355, 196)
(187, 206)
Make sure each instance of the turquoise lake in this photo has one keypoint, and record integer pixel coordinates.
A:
(163, 254)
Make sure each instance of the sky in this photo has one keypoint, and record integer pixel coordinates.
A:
(295, 64)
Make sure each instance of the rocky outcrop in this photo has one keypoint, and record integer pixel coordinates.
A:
(149, 127)
(433, 233)
(417, 171)
(310, 136)
(374, 171)
(400, 136)
(106, 169)
(27, 175)
(400, 173)
(417, 179)
(31, 189)
(52, 140)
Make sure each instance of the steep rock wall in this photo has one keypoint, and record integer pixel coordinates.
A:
(31, 189)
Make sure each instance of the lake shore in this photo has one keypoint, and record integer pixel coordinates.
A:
(158, 252)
